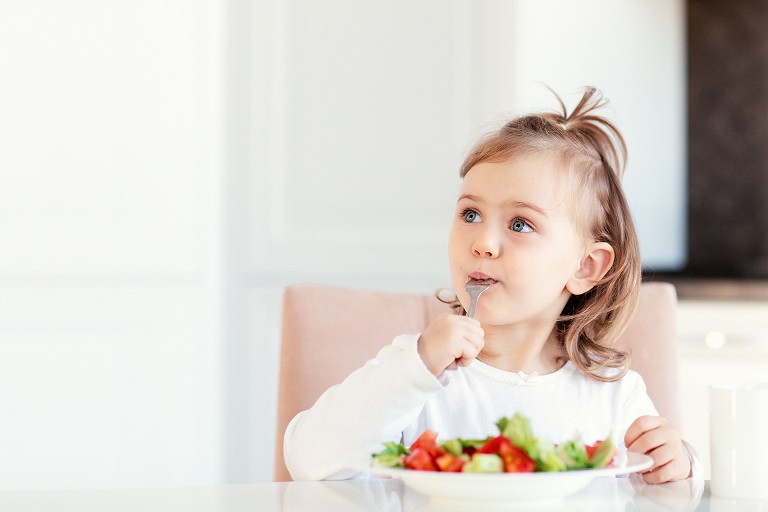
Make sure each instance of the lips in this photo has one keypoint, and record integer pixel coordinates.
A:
(481, 278)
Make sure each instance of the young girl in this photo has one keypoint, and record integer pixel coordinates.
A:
(542, 215)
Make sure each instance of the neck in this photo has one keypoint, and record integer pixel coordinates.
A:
(527, 349)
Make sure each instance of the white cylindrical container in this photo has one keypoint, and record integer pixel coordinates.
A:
(738, 420)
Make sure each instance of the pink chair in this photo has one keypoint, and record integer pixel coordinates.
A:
(330, 332)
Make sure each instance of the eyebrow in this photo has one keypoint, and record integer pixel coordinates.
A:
(510, 203)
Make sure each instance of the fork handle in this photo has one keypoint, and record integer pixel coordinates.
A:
(472, 305)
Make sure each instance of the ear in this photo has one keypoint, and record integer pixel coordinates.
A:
(592, 268)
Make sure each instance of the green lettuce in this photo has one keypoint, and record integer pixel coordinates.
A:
(484, 463)
(391, 456)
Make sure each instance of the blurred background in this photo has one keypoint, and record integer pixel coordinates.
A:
(168, 167)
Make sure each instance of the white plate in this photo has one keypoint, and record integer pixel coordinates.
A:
(484, 488)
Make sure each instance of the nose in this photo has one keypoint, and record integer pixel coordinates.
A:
(486, 245)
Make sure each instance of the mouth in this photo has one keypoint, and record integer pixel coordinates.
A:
(481, 278)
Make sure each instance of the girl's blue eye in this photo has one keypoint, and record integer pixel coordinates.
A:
(520, 226)
(471, 216)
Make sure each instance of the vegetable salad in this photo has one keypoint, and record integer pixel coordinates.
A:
(514, 450)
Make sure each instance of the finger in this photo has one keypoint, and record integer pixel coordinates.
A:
(473, 331)
(462, 353)
(639, 427)
(652, 477)
(666, 473)
(649, 441)
(468, 354)
(465, 361)
(469, 320)
(470, 323)
(662, 456)
(478, 342)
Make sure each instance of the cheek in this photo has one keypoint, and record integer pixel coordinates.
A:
(455, 261)
(534, 266)
(458, 279)
(455, 245)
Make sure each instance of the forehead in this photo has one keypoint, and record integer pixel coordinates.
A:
(530, 178)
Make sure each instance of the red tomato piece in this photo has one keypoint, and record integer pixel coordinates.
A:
(592, 448)
(492, 445)
(516, 460)
(420, 459)
(449, 462)
(428, 441)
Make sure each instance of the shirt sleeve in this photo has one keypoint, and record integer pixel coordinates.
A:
(697, 468)
(636, 401)
(350, 421)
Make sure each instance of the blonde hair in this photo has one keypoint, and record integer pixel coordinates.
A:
(593, 154)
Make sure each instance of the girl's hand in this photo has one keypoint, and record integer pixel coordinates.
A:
(450, 341)
(656, 437)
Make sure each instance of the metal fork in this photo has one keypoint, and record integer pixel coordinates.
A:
(475, 288)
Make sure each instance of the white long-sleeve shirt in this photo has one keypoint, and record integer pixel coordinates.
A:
(394, 397)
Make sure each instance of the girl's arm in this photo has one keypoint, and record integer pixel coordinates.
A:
(377, 402)
(351, 420)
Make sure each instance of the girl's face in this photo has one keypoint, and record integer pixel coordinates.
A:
(512, 224)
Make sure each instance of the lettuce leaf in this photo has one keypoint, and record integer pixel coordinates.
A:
(603, 454)
(484, 463)
(391, 456)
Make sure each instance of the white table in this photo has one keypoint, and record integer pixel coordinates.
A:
(603, 494)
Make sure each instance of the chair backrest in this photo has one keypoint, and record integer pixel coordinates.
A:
(329, 332)
(651, 337)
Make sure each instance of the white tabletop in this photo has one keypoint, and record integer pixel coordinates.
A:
(603, 494)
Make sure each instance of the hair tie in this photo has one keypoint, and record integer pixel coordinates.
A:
(562, 125)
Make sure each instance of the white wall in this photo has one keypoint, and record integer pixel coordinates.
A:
(168, 167)
(635, 52)
(110, 215)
